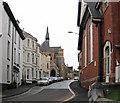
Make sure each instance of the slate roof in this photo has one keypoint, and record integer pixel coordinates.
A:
(45, 47)
(94, 12)
(96, 17)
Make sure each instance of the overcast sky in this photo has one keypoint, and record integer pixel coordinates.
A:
(59, 15)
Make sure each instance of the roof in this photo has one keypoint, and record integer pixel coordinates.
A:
(45, 47)
(11, 16)
(94, 12)
(27, 35)
(96, 17)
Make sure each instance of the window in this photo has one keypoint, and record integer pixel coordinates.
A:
(27, 73)
(14, 55)
(32, 58)
(33, 44)
(47, 65)
(13, 30)
(36, 50)
(8, 73)
(24, 56)
(15, 37)
(28, 42)
(90, 42)
(32, 72)
(36, 74)
(9, 27)
(19, 42)
(8, 51)
(85, 48)
(37, 61)
(19, 58)
(28, 57)
(107, 51)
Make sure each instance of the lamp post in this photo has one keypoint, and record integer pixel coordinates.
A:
(0, 34)
(73, 32)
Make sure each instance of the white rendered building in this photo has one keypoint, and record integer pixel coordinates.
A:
(30, 58)
(45, 65)
(11, 43)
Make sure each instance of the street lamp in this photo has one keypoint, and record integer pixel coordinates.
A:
(0, 34)
(72, 32)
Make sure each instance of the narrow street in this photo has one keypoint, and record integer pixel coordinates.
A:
(58, 91)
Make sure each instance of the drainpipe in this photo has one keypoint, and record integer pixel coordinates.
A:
(100, 54)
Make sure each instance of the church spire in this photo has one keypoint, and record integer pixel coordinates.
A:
(47, 34)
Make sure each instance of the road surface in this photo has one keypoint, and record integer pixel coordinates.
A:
(58, 91)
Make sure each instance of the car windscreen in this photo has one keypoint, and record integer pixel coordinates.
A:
(43, 78)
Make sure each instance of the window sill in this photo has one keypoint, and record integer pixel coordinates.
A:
(8, 81)
(90, 62)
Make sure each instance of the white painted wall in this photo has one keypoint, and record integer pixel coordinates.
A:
(3, 47)
(0, 41)
(5, 39)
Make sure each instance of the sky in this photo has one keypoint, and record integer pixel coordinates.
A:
(59, 15)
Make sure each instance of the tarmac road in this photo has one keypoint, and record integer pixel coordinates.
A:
(57, 92)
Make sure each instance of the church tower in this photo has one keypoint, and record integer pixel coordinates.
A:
(47, 37)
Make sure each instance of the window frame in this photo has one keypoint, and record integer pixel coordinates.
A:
(8, 50)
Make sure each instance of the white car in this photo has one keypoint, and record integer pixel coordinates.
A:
(43, 81)
(76, 78)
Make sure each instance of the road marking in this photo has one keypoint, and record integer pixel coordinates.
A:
(71, 92)
(19, 94)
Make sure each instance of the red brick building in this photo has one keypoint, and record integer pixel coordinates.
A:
(99, 41)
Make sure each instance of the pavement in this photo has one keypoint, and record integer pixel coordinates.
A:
(16, 91)
(80, 92)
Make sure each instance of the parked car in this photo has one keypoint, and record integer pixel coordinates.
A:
(50, 80)
(43, 81)
(76, 78)
(61, 78)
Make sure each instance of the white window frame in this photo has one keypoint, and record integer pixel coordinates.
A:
(85, 47)
(28, 57)
(19, 42)
(107, 53)
(28, 42)
(91, 41)
(32, 72)
(19, 58)
(9, 27)
(28, 72)
(15, 37)
(14, 55)
(8, 50)
(32, 57)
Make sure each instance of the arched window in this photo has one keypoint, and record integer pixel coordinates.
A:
(107, 57)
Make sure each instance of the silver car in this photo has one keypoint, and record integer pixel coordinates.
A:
(43, 81)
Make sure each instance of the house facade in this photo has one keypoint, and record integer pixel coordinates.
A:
(11, 42)
(45, 65)
(99, 42)
(30, 52)
(35, 63)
